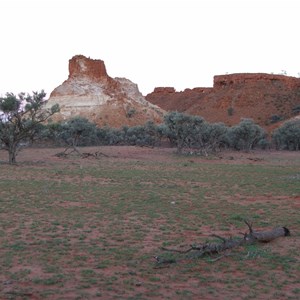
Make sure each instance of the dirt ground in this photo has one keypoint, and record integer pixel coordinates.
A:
(47, 155)
(167, 279)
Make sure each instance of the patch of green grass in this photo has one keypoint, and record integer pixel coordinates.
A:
(53, 280)
(87, 273)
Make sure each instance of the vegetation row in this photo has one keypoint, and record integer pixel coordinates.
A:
(23, 120)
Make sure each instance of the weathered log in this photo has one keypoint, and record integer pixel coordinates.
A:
(71, 149)
(197, 251)
(215, 248)
(267, 236)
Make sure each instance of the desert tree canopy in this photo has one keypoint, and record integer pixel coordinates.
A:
(21, 119)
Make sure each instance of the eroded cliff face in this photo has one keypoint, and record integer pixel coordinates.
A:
(221, 81)
(255, 95)
(80, 66)
(91, 93)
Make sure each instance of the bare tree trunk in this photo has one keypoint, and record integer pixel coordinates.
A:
(12, 154)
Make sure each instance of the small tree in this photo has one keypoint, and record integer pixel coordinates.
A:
(182, 129)
(51, 132)
(287, 136)
(21, 119)
(110, 136)
(211, 137)
(142, 135)
(78, 132)
(246, 135)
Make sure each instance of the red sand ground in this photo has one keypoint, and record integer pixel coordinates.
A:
(45, 156)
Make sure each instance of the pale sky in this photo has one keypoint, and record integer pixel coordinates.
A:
(178, 43)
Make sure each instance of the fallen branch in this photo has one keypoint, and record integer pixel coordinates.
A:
(68, 151)
(71, 150)
(219, 257)
(197, 251)
(97, 154)
(178, 251)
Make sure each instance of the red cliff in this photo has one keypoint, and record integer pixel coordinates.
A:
(250, 95)
(81, 66)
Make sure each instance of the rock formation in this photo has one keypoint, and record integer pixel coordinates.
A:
(262, 97)
(89, 92)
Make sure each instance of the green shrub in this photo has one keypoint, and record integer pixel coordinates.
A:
(246, 135)
(230, 111)
(287, 136)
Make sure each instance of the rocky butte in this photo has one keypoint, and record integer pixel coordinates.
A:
(262, 97)
(89, 92)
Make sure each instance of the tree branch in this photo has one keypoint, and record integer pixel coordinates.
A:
(197, 251)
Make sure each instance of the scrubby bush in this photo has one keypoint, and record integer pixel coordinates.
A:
(246, 135)
(148, 134)
(74, 132)
(181, 129)
(109, 136)
(80, 131)
(193, 132)
(211, 138)
(287, 136)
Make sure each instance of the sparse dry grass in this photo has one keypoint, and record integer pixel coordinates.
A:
(83, 229)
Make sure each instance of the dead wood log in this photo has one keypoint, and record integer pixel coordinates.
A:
(265, 236)
(197, 251)
(210, 248)
(70, 150)
(96, 155)
(87, 155)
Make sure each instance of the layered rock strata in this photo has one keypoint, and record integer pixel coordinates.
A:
(262, 97)
(91, 93)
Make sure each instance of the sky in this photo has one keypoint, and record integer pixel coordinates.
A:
(154, 43)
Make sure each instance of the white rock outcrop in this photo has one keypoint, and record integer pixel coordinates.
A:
(89, 92)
